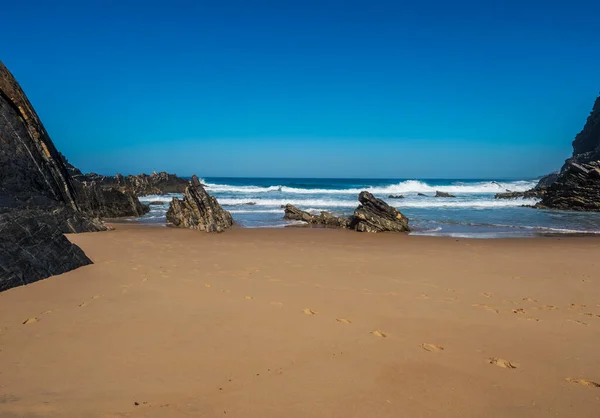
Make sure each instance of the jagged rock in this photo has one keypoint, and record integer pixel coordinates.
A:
(374, 215)
(421, 194)
(140, 185)
(156, 203)
(577, 188)
(198, 210)
(397, 196)
(443, 194)
(38, 200)
(586, 146)
(324, 218)
(108, 202)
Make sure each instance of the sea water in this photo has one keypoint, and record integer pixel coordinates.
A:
(473, 213)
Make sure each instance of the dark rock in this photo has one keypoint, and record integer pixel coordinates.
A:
(586, 146)
(443, 194)
(156, 203)
(33, 247)
(397, 196)
(108, 202)
(198, 210)
(374, 215)
(547, 181)
(533, 193)
(38, 199)
(323, 219)
(421, 194)
(577, 188)
(139, 185)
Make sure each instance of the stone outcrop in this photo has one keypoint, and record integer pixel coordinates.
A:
(33, 246)
(395, 196)
(533, 193)
(374, 215)
(198, 210)
(443, 194)
(577, 188)
(39, 201)
(577, 185)
(292, 213)
(139, 185)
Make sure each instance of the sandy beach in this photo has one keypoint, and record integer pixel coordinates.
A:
(306, 323)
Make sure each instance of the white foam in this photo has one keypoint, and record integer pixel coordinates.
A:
(404, 187)
(319, 204)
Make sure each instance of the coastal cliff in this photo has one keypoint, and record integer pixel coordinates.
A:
(577, 186)
(39, 198)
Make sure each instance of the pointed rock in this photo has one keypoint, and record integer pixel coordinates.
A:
(374, 215)
(198, 210)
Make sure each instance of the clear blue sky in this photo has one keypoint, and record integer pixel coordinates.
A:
(308, 88)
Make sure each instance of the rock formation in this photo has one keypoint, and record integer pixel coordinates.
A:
(396, 196)
(443, 194)
(39, 200)
(139, 185)
(198, 210)
(577, 185)
(374, 215)
(323, 219)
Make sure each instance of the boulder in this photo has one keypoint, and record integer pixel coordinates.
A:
(443, 194)
(323, 219)
(421, 194)
(396, 196)
(374, 215)
(198, 210)
(533, 193)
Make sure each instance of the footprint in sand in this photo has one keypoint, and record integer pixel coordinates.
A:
(529, 300)
(31, 320)
(519, 311)
(208, 285)
(423, 296)
(500, 362)
(225, 290)
(591, 315)
(309, 311)
(378, 333)
(451, 290)
(548, 307)
(343, 320)
(145, 279)
(248, 297)
(576, 306)
(578, 322)
(431, 347)
(583, 382)
(47, 312)
(487, 294)
(487, 308)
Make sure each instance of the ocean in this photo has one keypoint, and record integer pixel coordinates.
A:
(473, 213)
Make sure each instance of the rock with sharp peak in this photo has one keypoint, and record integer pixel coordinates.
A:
(374, 215)
(198, 210)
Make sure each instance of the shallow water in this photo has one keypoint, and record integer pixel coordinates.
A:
(473, 213)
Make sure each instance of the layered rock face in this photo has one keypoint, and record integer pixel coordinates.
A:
(198, 210)
(577, 186)
(38, 198)
(292, 213)
(372, 215)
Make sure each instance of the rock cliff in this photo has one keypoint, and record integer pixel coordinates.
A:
(39, 200)
(198, 210)
(577, 186)
(139, 185)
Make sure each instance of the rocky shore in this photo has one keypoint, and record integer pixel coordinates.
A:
(371, 215)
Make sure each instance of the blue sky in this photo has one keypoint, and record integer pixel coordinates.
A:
(309, 88)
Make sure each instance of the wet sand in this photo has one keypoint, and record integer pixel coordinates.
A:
(306, 323)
